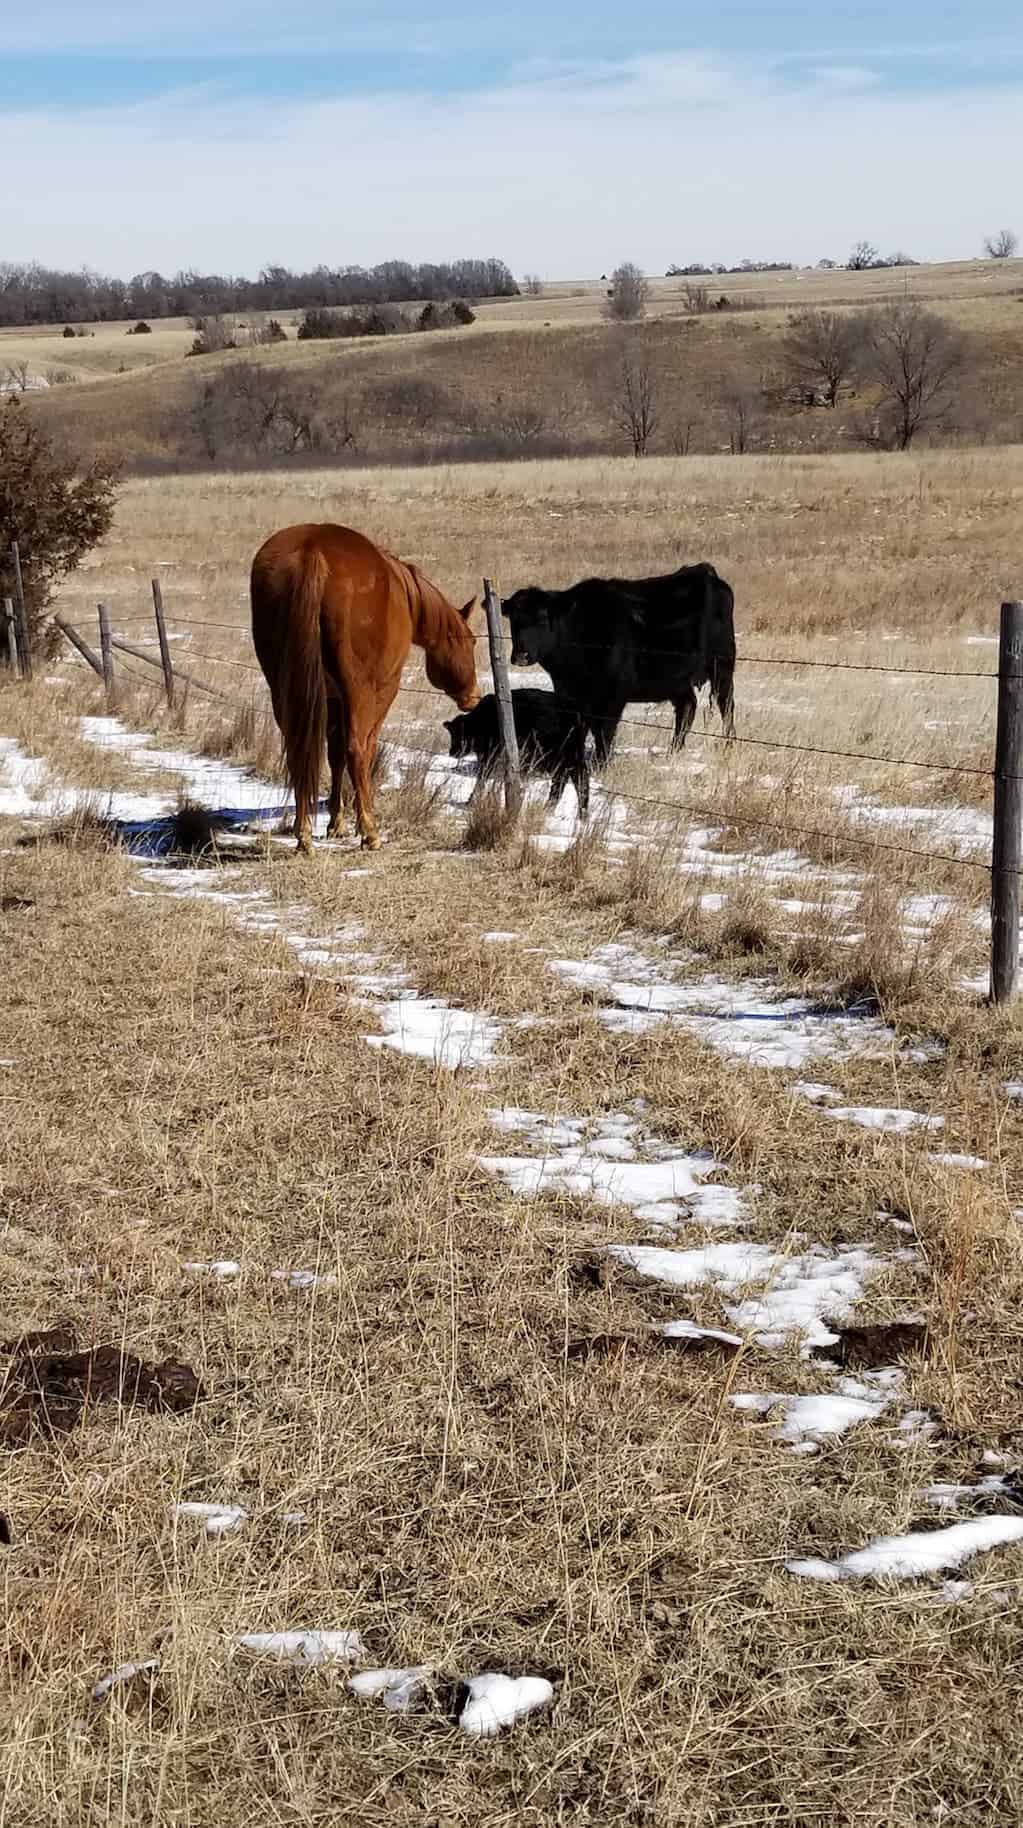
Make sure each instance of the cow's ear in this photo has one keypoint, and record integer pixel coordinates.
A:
(467, 608)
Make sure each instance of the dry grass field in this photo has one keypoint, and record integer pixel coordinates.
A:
(465, 1093)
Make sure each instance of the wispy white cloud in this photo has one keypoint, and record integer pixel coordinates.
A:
(564, 171)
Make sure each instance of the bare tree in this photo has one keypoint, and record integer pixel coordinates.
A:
(533, 285)
(1002, 246)
(913, 357)
(863, 256)
(628, 294)
(19, 378)
(821, 349)
(741, 400)
(696, 299)
(633, 404)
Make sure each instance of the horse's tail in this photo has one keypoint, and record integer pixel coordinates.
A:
(303, 706)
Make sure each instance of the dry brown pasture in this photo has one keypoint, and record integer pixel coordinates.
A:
(499, 1462)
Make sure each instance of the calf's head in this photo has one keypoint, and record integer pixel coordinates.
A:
(458, 731)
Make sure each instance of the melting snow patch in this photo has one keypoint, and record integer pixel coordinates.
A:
(807, 1421)
(747, 1021)
(496, 1701)
(224, 1267)
(304, 1278)
(123, 1673)
(304, 1649)
(499, 938)
(884, 1117)
(910, 1557)
(687, 1329)
(958, 1161)
(950, 1497)
(398, 1689)
(432, 1030)
(604, 1166)
(801, 1291)
(209, 782)
(217, 1519)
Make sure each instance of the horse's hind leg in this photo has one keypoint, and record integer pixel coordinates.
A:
(361, 752)
(336, 756)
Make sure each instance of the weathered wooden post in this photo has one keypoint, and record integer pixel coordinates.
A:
(161, 631)
(106, 651)
(502, 692)
(9, 643)
(21, 615)
(82, 647)
(1007, 843)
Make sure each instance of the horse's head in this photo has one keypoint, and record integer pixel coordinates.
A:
(451, 658)
(529, 621)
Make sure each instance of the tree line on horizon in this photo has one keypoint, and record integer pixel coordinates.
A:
(34, 294)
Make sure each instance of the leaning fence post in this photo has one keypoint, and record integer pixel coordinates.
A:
(1007, 841)
(9, 647)
(21, 615)
(76, 642)
(106, 651)
(502, 692)
(161, 631)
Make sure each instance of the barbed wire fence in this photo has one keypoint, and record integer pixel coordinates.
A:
(1004, 866)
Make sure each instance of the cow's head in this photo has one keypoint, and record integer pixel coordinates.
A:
(529, 620)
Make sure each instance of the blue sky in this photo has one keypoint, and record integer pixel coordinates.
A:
(229, 132)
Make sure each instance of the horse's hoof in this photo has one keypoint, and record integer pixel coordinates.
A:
(304, 848)
(371, 841)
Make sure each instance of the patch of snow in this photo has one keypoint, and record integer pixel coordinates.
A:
(429, 1029)
(499, 938)
(304, 1278)
(800, 1292)
(496, 1701)
(1014, 1089)
(123, 1673)
(217, 1519)
(807, 1421)
(815, 1094)
(922, 1552)
(949, 1497)
(398, 1689)
(604, 1166)
(884, 1117)
(224, 1267)
(747, 1021)
(687, 1329)
(958, 1161)
(207, 781)
(304, 1649)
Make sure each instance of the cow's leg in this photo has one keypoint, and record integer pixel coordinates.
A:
(724, 692)
(581, 783)
(336, 756)
(604, 725)
(685, 711)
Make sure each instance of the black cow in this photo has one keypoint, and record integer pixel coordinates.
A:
(552, 740)
(611, 642)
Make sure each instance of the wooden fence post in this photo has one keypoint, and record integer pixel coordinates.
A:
(161, 631)
(502, 692)
(21, 615)
(82, 646)
(9, 644)
(1007, 843)
(106, 651)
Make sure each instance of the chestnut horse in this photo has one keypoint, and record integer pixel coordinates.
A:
(333, 619)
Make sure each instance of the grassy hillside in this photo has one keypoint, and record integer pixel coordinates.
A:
(532, 376)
